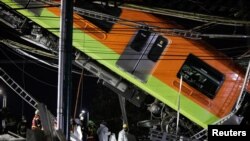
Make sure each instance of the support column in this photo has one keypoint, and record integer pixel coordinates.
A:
(64, 68)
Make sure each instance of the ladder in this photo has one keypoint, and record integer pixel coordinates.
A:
(155, 135)
(47, 117)
(200, 135)
(18, 89)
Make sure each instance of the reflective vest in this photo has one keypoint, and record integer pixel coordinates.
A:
(36, 122)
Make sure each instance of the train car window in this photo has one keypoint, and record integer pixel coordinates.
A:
(201, 76)
(140, 40)
(157, 48)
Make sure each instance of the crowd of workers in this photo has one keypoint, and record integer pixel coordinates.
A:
(105, 135)
(88, 133)
(82, 129)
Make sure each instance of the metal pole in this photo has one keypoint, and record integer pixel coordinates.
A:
(4, 101)
(241, 96)
(178, 108)
(64, 68)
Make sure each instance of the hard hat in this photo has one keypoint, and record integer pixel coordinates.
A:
(83, 111)
(124, 126)
(37, 112)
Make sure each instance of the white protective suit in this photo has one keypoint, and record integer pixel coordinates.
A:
(77, 134)
(123, 135)
(103, 133)
(112, 137)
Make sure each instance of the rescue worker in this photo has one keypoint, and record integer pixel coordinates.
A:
(36, 121)
(76, 134)
(103, 132)
(84, 120)
(112, 137)
(123, 134)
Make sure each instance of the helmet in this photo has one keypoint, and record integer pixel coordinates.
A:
(124, 126)
(37, 112)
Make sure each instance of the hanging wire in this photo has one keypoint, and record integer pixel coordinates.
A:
(31, 76)
(23, 79)
(78, 92)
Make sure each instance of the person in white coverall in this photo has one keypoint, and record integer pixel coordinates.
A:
(103, 132)
(123, 134)
(112, 137)
(76, 134)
